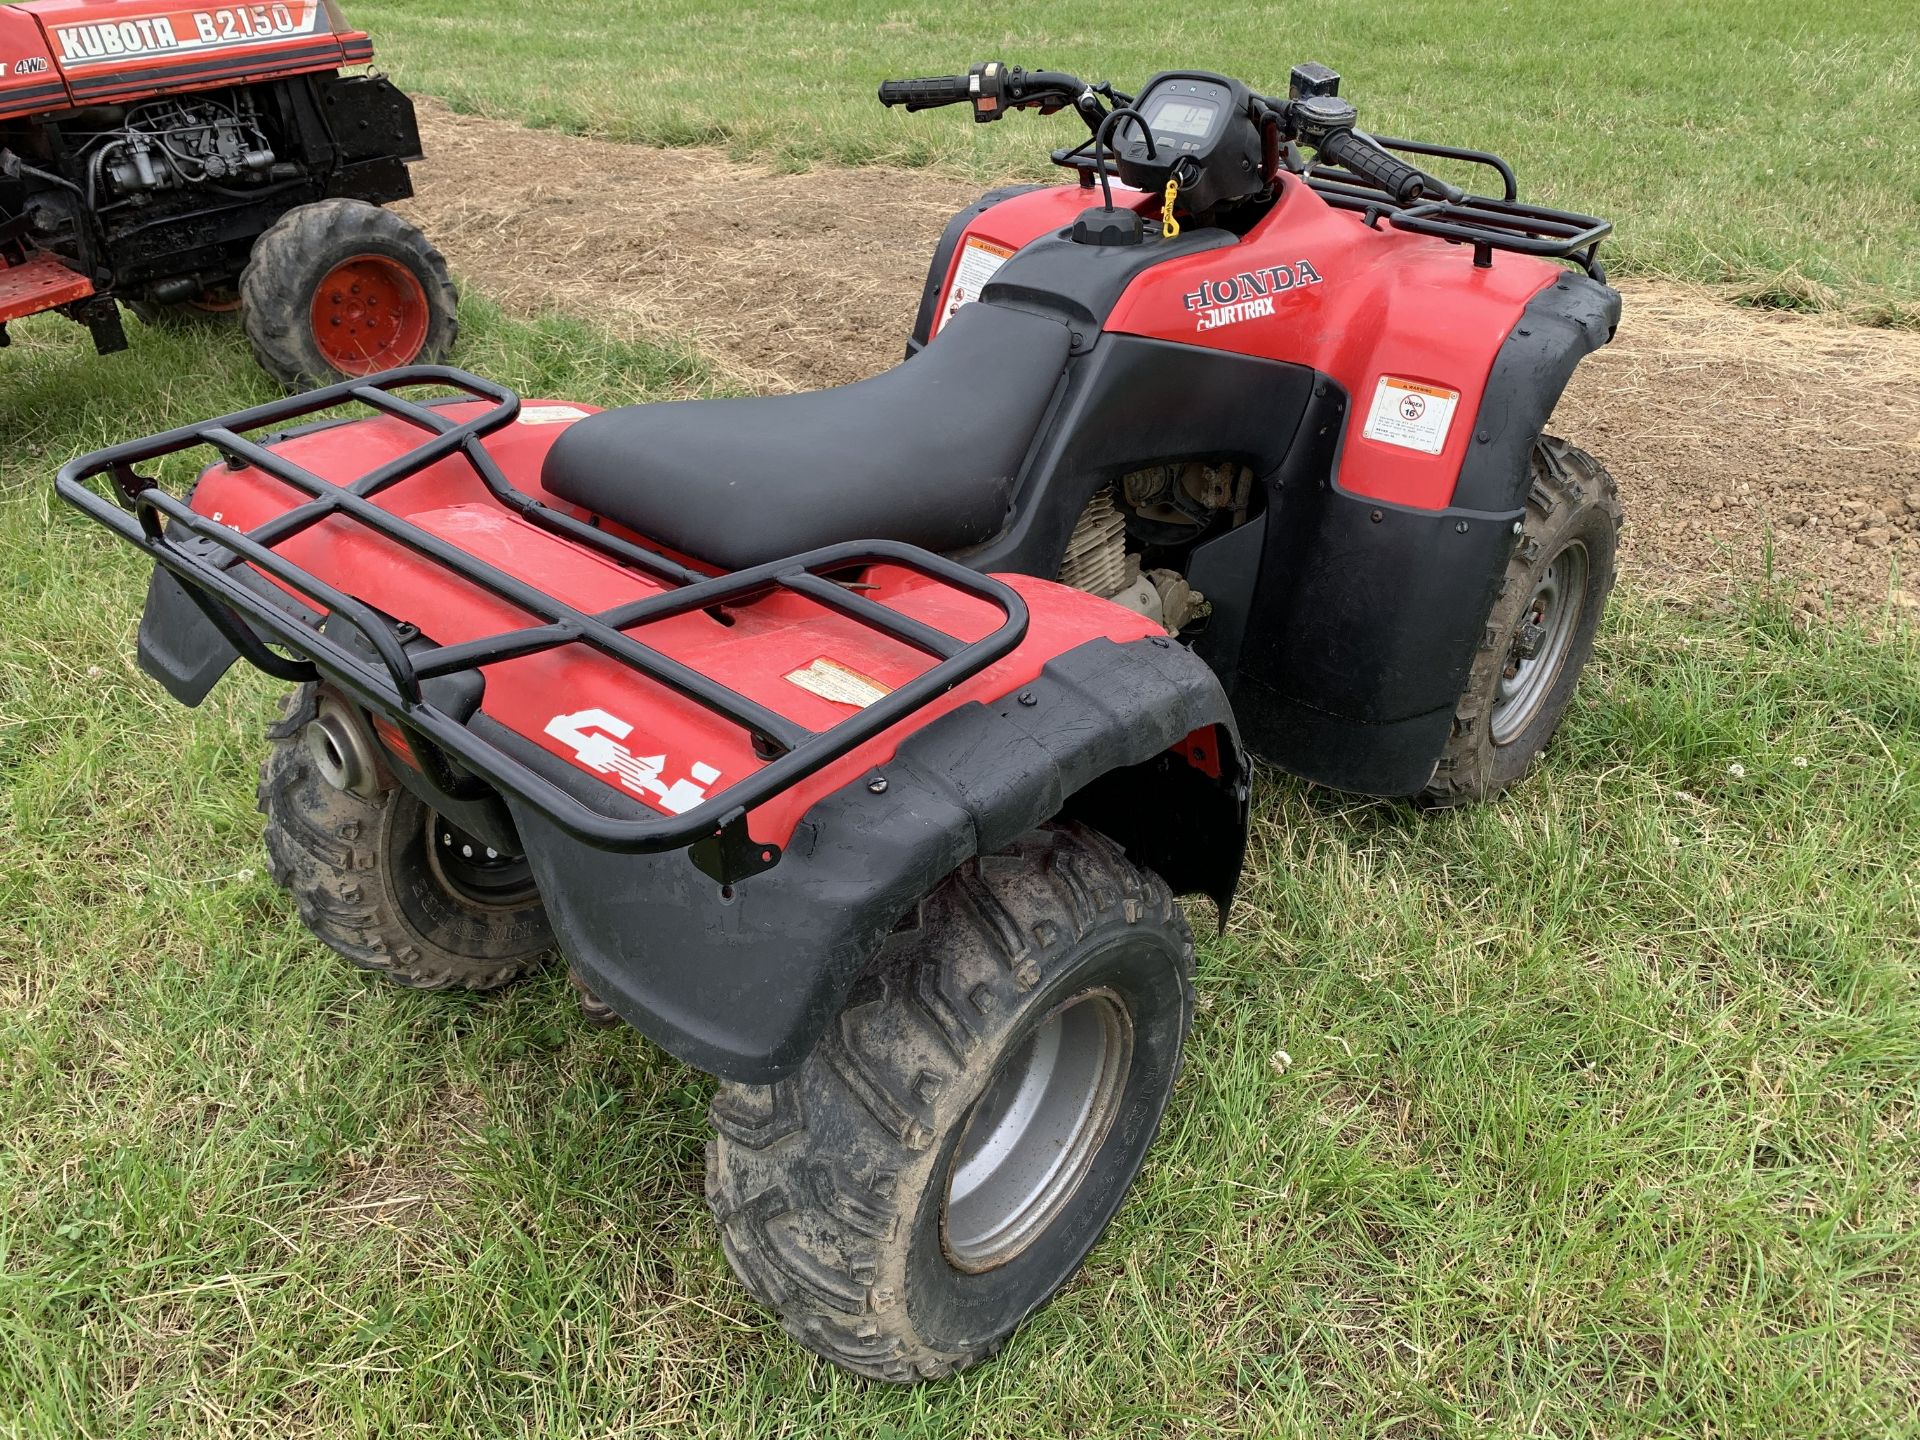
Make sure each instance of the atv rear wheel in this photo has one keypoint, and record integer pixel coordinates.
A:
(341, 289)
(1540, 635)
(950, 1152)
(383, 880)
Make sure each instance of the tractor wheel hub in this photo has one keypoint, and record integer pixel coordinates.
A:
(369, 314)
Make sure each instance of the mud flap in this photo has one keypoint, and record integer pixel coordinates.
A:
(188, 642)
(179, 646)
(741, 980)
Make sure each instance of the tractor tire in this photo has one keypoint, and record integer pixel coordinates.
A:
(340, 289)
(378, 879)
(1041, 997)
(1540, 634)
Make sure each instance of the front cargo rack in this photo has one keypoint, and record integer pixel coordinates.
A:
(1484, 222)
(390, 679)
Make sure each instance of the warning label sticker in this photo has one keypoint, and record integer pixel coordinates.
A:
(978, 261)
(831, 680)
(1411, 415)
(551, 415)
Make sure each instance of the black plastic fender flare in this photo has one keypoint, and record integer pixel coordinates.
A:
(742, 980)
(1560, 327)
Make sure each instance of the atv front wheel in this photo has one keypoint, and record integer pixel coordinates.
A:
(1540, 635)
(950, 1152)
(380, 878)
(340, 289)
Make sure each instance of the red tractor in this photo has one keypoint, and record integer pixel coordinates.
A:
(204, 162)
(854, 746)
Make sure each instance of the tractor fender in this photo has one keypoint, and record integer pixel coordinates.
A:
(741, 980)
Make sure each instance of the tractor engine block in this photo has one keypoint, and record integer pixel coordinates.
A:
(183, 144)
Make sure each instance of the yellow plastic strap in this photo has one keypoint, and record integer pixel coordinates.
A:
(1169, 227)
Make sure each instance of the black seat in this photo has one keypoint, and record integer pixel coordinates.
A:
(926, 453)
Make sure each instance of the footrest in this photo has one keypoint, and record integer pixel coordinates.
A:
(40, 283)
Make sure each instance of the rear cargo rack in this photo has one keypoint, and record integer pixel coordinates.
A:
(390, 679)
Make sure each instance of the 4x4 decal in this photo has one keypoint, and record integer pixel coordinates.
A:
(1247, 295)
(603, 754)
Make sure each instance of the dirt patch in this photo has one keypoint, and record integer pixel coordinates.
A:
(1727, 426)
(1723, 425)
(783, 281)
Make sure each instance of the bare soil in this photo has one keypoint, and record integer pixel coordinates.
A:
(1724, 425)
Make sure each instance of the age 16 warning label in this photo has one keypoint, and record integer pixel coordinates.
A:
(978, 261)
(1411, 415)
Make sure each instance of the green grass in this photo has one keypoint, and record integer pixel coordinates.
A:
(1595, 1112)
(1768, 147)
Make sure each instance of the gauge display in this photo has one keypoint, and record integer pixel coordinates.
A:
(1193, 118)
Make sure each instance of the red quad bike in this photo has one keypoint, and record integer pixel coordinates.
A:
(210, 163)
(853, 746)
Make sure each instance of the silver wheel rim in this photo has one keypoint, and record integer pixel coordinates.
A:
(1538, 647)
(1032, 1135)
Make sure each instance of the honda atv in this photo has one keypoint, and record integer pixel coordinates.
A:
(203, 164)
(853, 746)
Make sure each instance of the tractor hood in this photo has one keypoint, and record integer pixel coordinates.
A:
(56, 53)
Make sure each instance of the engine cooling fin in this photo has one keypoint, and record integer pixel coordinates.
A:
(1096, 558)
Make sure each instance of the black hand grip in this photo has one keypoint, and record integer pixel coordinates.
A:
(1399, 179)
(927, 93)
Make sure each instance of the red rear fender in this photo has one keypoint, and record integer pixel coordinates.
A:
(625, 736)
(743, 980)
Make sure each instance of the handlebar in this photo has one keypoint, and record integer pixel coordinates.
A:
(927, 93)
(1325, 121)
(1312, 113)
(993, 89)
(1405, 183)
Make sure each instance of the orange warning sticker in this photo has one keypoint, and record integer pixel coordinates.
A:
(979, 259)
(1411, 415)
